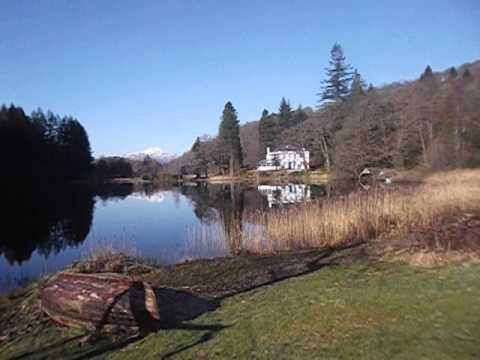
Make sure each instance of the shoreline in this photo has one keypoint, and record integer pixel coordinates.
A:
(330, 293)
(253, 177)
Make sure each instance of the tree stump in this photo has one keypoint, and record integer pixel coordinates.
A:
(100, 302)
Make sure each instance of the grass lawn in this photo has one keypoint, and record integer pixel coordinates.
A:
(380, 311)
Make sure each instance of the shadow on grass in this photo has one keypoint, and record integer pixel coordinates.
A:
(176, 308)
(47, 349)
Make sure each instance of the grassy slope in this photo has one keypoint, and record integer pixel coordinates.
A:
(376, 311)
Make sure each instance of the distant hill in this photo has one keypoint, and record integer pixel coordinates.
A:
(154, 153)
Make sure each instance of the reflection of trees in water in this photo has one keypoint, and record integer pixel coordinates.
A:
(231, 215)
(47, 221)
(224, 204)
(204, 199)
(114, 191)
(229, 206)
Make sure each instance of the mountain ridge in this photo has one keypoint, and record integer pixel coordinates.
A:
(153, 152)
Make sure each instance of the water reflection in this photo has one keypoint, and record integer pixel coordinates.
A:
(46, 221)
(114, 191)
(49, 222)
(45, 231)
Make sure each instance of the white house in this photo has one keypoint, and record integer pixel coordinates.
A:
(287, 158)
(283, 195)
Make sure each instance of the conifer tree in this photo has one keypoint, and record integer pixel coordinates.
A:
(284, 111)
(427, 73)
(200, 163)
(267, 130)
(467, 75)
(229, 136)
(452, 73)
(75, 145)
(358, 85)
(196, 145)
(339, 76)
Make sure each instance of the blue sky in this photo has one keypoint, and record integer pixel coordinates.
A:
(157, 73)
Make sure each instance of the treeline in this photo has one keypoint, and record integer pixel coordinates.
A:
(112, 167)
(432, 122)
(272, 125)
(42, 148)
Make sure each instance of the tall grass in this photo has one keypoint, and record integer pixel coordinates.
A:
(108, 256)
(105, 250)
(205, 241)
(360, 217)
(354, 218)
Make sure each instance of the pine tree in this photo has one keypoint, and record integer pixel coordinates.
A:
(75, 146)
(284, 112)
(427, 73)
(339, 76)
(467, 75)
(229, 136)
(200, 163)
(267, 130)
(196, 145)
(358, 85)
(452, 73)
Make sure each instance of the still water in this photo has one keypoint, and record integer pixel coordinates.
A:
(43, 234)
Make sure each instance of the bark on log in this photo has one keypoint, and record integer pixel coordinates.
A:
(100, 302)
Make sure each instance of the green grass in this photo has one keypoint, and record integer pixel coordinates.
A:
(380, 311)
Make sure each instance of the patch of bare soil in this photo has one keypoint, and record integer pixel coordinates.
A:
(220, 278)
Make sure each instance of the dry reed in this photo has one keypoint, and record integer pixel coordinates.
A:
(360, 217)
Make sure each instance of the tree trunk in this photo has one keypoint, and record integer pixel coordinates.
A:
(100, 302)
(424, 148)
(326, 155)
(232, 164)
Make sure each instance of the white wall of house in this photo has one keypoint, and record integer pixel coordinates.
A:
(293, 160)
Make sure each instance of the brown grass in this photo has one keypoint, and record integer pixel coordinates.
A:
(108, 256)
(361, 217)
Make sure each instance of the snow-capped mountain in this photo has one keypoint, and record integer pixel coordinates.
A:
(154, 152)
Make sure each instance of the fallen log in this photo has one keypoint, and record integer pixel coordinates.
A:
(100, 302)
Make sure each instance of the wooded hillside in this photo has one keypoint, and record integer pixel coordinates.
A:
(433, 121)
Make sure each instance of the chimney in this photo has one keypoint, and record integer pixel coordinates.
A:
(268, 150)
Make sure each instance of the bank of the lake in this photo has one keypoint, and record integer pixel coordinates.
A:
(392, 272)
(368, 309)
(253, 177)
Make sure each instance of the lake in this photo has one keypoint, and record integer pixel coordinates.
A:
(46, 232)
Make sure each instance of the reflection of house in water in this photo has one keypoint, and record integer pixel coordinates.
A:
(278, 195)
